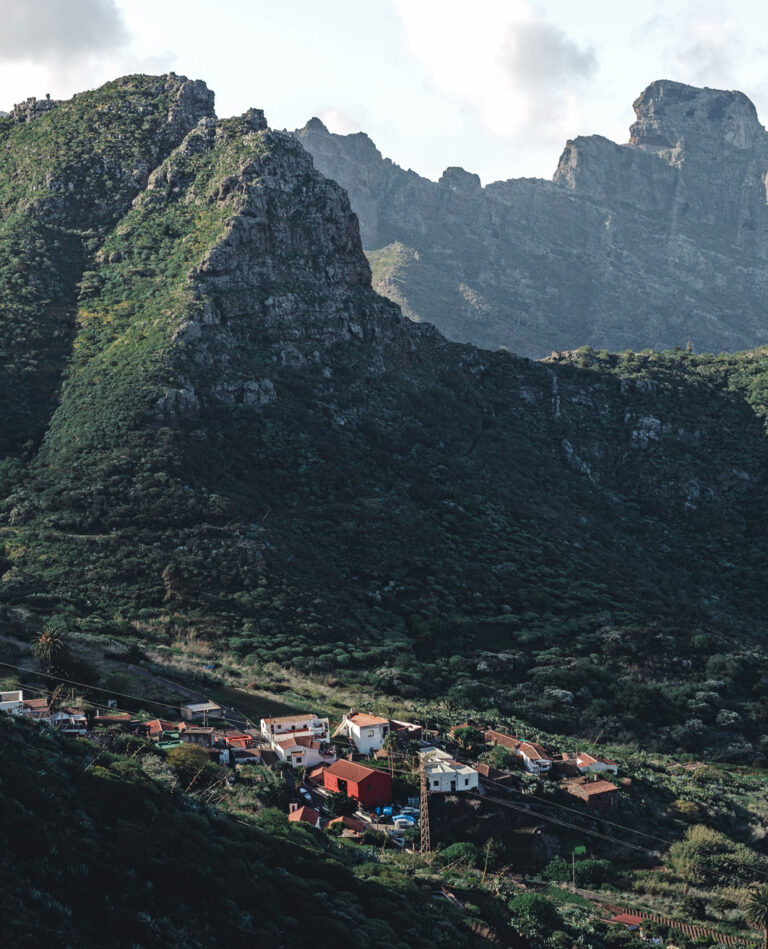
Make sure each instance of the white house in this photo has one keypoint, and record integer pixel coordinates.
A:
(12, 702)
(303, 751)
(306, 724)
(535, 759)
(445, 775)
(70, 721)
(366, 732)
(588, 764)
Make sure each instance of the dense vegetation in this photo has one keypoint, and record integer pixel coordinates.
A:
(251, 445)
(97, 841)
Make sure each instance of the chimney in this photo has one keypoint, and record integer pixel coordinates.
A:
(293, 806)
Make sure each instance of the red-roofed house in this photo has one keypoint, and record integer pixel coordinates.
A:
(598, 794)
(155, 728)
(36, 708)
(535, 758)
(366, 732)
(588, 764)
(629, 920)
(304, 814)
(351, 827)
(366, 785)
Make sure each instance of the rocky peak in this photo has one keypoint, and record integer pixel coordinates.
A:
(670, 114)
(459, 180)
(31, 109)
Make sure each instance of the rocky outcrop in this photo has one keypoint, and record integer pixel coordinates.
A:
(31, 109)
(654, 243)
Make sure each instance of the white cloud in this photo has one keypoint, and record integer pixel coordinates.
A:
(702, 44)
(517, 71)
(53, 29)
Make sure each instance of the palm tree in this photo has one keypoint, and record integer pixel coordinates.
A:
(50, 646)
(757, 910)
(390, 746)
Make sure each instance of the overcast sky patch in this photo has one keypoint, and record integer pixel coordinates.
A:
(33, 29)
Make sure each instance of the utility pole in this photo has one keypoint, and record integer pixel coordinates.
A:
(573, 869)
(426, 847)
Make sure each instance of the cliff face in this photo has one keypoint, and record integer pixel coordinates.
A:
(649, 244)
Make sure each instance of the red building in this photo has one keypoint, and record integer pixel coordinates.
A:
(366, 785)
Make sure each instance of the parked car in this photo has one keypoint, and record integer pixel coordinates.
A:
(306, 795)
(413, 811)
(403, 822)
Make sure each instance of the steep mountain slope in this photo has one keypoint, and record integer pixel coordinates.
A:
(252, 443)
(64, 183)
(648, 244)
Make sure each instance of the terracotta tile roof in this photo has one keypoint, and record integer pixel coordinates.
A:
(585, 758)
(307, 815)
(528, 748)
(363, 720)
(595, 788)
(627, 919)
(35, 703)
(302, 741)
(350, 822)
(350, 771)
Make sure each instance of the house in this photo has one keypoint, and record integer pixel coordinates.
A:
(598, 794)
(154, 728)
(70, 721)
(368, 787)
(445, 775)
(112, 718)
(366, 732)
(535, 759)
(239, 740)
(303, 751)
(315, 775)
(12, 702)
(630, 921)
(588, 764)
(196, 735)
(488, 773)
(301, 813)
(201, 710)
(37, 709)
(351, 827)
(405, 731)
(306, 724)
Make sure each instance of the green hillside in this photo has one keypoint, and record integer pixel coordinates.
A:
(251, 444)
(98, 842)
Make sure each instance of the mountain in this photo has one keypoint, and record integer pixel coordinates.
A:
(251, 446)
(654, 243)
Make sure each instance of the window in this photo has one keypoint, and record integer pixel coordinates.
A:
(466, 781)
(370, 733)
(435, 783)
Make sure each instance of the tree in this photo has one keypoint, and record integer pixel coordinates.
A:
(339, 805)
(390, 746)
(757, 910)
(50, 649)
(535, 912)
(190, 762)
(467, 737)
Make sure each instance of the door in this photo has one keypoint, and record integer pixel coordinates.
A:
(453, 785)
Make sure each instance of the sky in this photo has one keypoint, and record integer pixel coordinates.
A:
(496, 86)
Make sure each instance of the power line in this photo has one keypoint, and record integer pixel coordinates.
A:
(95, 688)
